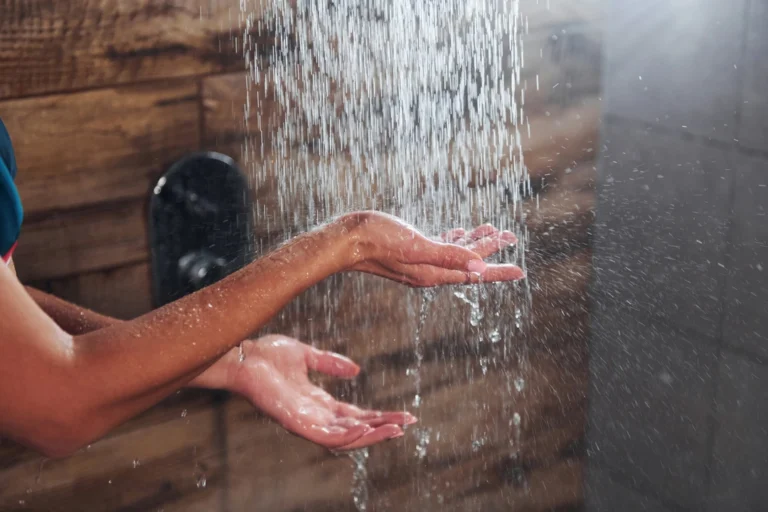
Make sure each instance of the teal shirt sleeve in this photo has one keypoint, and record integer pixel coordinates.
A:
(11, 212)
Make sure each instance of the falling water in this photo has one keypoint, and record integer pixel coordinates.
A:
(411, 107)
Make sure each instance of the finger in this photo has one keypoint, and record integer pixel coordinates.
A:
(448, 256)
(375, 418)
(331, 363)
(348, 422)
(482, 231)
(492, 244)
(335, 436)
(390, 418)
(502, 272)
(476, 234)
(375, 436)
(493, 273)
(453, 235)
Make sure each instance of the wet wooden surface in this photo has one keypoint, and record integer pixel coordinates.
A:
(100, 97)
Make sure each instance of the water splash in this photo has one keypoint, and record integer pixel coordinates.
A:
(360, 479)
(418, 349)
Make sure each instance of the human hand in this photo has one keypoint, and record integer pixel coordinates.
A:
(274, 378)
(386, 246)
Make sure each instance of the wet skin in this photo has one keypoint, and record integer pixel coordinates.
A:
(78, 384)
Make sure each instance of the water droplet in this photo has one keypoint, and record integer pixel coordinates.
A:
(136, 463)
(201, 482)
(423, 436)
(184, 413)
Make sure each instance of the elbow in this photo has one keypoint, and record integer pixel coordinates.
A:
(62, 441)
(61, 432)
(60, 449)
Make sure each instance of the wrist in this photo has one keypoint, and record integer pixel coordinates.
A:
(220, 375)
(336, 246)
(349, 231)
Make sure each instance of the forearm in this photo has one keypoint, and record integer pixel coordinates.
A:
(76, 320)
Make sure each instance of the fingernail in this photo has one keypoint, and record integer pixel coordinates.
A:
(401, 434)
(411, 420)
(477, 266)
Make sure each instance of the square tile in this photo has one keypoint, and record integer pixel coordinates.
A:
(675, 64)
(604, 494)
(753, 130)
(740, 459)
(662, 215)
(746, 290)
(651, 394)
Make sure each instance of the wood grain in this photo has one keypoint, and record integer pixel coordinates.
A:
(48, 46)
(122, 292)
(156, 466)
(69, 243)
(93, 147)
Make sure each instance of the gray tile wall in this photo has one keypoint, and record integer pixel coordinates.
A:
(678, 416)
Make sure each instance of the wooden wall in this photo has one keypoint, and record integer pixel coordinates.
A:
(101, 96)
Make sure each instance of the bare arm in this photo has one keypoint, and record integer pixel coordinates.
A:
(59, 391)
(74, 320)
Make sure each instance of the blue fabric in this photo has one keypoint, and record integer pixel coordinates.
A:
(11, 213)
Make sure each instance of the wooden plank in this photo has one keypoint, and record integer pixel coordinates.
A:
(246, 139)
(263, 458)
(139, 469)
(558, 487)
(74, 242)
(99, 146)
(59, 46)
(122, 292)
(228, 125)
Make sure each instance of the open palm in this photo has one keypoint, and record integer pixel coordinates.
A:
(274, 377)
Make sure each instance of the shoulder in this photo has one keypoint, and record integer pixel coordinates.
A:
(6, 150)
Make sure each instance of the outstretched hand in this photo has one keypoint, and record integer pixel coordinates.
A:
(274, 378)
(386, 246)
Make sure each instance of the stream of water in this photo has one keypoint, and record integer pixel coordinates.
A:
(411, 107)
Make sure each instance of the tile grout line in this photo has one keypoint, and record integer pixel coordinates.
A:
(727, 260)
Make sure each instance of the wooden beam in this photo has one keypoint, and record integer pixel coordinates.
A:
(74, 242)
(99, 146)
(60, 46)
(157, 466)
(122, 292)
